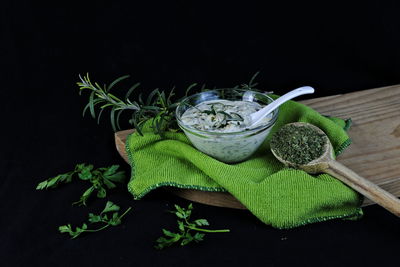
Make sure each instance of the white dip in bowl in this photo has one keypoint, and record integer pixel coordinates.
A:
(216, 122)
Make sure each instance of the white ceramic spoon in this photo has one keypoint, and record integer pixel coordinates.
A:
(256, 117)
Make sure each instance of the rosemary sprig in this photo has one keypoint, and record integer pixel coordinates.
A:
(159, 106)
(251, 85)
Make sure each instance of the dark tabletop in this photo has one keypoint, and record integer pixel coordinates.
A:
(336, 48)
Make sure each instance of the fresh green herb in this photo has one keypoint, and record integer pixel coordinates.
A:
(231, 117)
(65, 178)
(103, 218)
(212, 111)
(186, 227)
(251, 85)
(236, 117)
(158, 108)
(227, 117)
(298, 144)
(101, 180)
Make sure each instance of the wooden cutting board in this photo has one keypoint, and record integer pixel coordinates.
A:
(373, 154)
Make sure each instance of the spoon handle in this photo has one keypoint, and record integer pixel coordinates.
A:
(259, 115)
(364, 186)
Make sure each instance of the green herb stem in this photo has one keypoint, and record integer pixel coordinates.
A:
(105, 221)
(123, 214)
(96, 230)
(103, 217)
(207, 230)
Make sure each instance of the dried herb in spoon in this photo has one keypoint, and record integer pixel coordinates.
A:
(298, 145)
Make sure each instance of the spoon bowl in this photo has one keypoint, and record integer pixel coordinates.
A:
(327, 164)
(317, 165)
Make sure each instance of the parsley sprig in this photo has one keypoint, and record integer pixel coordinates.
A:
(101, 179)
(186, 227)
(65, 178)
(103, 218)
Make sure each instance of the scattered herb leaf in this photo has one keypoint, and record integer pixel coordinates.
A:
(189, 231)
(101, 180)
(65, 178)
(102, 218)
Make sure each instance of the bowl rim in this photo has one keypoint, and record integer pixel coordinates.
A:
(251, 131)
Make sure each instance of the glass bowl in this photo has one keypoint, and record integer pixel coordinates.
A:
(228, 147)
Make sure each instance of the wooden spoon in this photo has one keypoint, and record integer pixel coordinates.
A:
(327, 164)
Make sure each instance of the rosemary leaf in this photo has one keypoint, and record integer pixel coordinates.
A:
(150, 97)
(112, 118)
(117, 81)
(91, 105)
(128, 94)
(190, 87)
(117, 119)
(98, 116)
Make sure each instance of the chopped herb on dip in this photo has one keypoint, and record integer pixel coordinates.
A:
(222, 116)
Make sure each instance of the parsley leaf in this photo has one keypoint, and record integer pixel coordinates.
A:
(101, 218)
(185, 227)
(85, 173)
(53, 182)
(110, 207)
(101, 180)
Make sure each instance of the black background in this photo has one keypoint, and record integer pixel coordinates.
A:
(334, 47)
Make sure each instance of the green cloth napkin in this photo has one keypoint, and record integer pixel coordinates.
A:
(278, 196)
